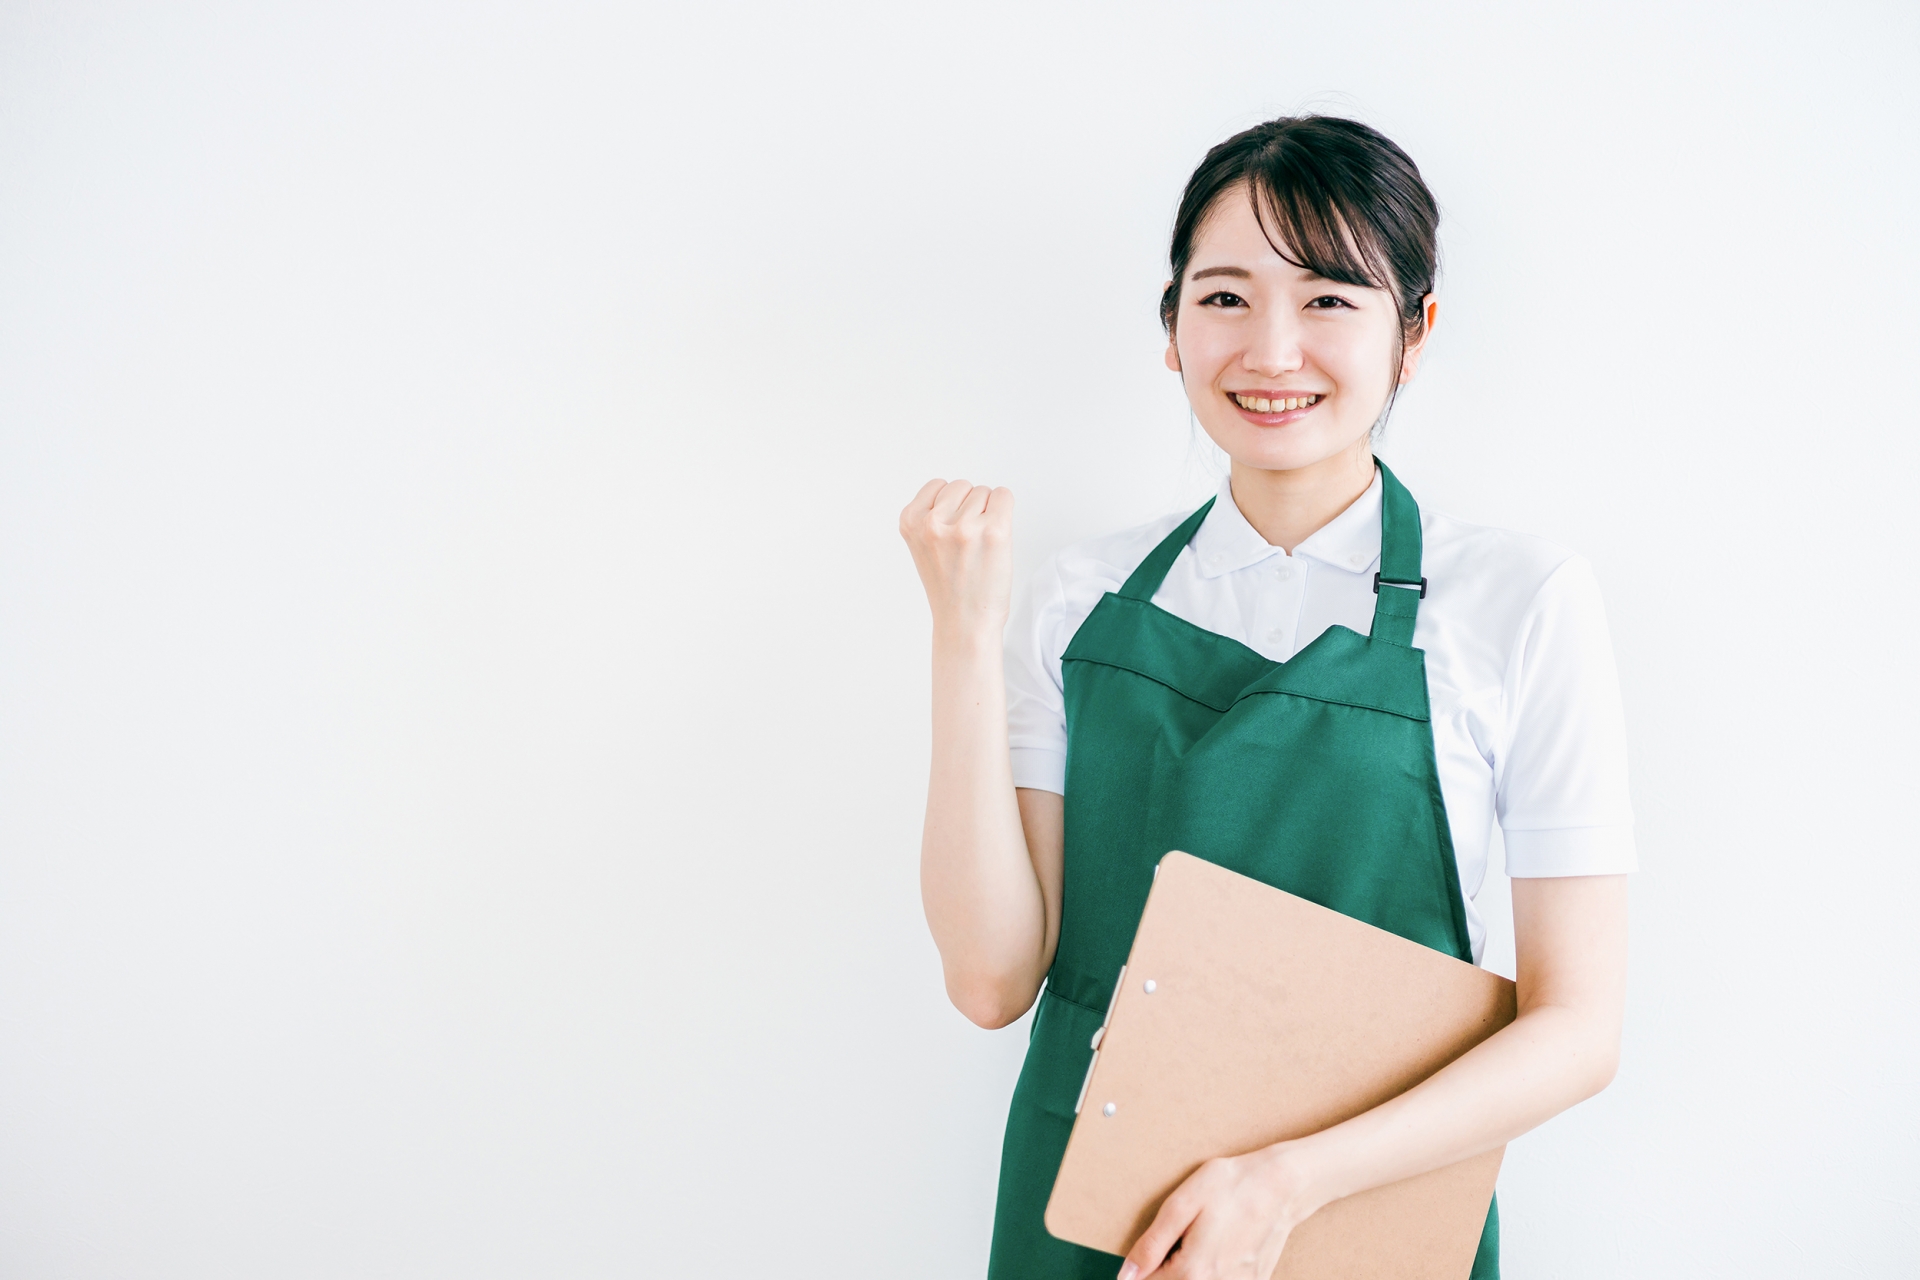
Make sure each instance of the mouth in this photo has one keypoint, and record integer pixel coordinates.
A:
(1269, 408)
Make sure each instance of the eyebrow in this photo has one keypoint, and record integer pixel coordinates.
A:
(1241, 273)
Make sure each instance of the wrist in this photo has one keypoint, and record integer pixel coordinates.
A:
(1293, 1182)
(959, 635)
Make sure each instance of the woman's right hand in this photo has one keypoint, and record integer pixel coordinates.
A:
(961, 536)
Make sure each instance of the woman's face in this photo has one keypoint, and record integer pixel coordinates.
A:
(1284, 369)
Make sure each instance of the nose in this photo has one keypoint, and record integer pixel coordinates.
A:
(1273, 346)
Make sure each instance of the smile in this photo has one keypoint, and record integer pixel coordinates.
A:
(1280, 404)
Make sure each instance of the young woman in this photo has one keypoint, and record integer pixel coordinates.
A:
(1437, 676)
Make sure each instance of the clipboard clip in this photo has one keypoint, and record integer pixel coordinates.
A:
(1094, 1061)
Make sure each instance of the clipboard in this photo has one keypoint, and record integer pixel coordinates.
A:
(1245, 1016)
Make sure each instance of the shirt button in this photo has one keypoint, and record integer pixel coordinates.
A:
(1356, 561)
(1276, 636)
(1284, 572)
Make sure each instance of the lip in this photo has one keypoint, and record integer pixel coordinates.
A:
(1279, 419)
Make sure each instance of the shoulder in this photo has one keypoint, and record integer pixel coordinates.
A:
(1466, 553)
(1070, 582)
(1489, 589)
(1498, 572)
(1108, 559)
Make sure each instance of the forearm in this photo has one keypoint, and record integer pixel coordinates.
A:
(1547, 1060)
(1246, 1206)
(1571, 938)
(982, 895)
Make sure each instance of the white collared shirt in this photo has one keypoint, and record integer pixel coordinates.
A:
(1527, 724)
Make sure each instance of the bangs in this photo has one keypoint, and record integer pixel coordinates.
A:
(1332, 196)
(1313, 223)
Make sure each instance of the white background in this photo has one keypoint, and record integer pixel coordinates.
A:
(462, 695)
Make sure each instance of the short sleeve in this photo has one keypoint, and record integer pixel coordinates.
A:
(1036, 704)
(1561, 780)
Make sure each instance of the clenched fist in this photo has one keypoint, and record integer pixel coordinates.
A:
(961, 536)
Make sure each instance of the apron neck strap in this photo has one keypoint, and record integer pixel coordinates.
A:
(1398, 586)
(1146, 580)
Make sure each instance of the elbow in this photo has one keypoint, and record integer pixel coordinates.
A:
(987, 1004)
(1602, 1063)
(991, 1017)
(1606, 1067)
(1580, 1048)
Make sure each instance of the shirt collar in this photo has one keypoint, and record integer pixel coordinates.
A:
(1225, 543)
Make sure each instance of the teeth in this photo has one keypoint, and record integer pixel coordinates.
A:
(1260, 405)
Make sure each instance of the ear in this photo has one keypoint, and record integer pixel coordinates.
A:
(1410, 358)
(1173, 347)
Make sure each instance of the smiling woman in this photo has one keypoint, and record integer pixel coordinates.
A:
(1300, 300)
(1303, 258)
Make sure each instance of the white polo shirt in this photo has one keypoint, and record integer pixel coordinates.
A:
(1527, 725)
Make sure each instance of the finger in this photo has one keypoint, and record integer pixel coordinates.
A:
(946, 503)
(1000, 508)
(923, 500)
(922, 503)
(1151, 1249)
(976, 503)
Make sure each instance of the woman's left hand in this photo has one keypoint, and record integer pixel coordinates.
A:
(1230, 1220)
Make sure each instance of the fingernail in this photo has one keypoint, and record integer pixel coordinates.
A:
(1129, 1271)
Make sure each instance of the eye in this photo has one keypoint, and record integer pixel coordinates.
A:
(1223, 299)
(1329, 302)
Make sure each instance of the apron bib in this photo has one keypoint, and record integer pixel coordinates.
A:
(1314, 775)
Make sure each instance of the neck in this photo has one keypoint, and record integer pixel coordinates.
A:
(1288, 507)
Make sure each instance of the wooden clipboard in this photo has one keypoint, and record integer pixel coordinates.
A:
(1246, 1016)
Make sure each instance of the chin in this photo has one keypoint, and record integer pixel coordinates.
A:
(1271, 454)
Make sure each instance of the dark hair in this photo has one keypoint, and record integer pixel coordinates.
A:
(1343, 200)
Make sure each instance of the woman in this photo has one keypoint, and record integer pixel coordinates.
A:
(1439, 675)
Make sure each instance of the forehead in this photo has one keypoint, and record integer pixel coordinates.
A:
(1233, 235)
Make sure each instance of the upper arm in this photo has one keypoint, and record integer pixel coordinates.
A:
(1041, 625)
(1037, 634)
(1570, 943)
(1043, 818)
(1561, 773)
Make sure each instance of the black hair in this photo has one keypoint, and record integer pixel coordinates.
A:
(1333, 196)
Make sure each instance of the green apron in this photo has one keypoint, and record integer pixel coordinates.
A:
(1315, 775)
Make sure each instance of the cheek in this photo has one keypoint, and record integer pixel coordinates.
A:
(1204, 352)
(1360, 364)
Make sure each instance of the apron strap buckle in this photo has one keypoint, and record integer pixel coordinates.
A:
(1379, 582)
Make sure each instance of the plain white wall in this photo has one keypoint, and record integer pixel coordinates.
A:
(462, 698)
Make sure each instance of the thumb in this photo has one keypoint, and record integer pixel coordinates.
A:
(1151, 1249)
